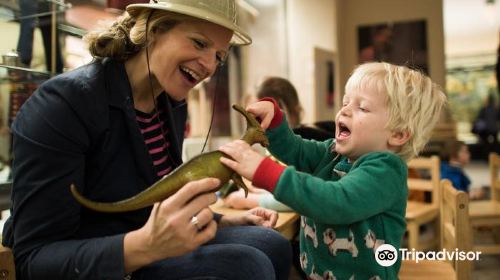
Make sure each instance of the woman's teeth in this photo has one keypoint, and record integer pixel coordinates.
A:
(194, 77)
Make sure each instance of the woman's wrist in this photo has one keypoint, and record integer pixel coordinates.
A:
(224, 221)
(136, 252)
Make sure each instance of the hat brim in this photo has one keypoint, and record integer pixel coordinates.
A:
(239, 36)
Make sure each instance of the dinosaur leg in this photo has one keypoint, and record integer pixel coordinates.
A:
(239, 182)
(227, 189)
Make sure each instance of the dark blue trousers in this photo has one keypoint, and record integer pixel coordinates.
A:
(244, 252)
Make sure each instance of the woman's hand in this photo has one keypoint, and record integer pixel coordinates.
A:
(244, 160)
(169, 231)
(264, 111)
(257, 216)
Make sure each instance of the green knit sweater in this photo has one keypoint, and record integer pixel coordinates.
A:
(347, 210)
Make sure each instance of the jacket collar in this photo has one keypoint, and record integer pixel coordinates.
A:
(120, 97)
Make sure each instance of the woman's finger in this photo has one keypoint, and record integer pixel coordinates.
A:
(201, 219)
(198, 203)
(205, 234)
(193, 189)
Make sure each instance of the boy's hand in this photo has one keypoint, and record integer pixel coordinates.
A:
(264, 111)
(244, 160)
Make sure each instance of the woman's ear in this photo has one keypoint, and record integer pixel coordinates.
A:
(399, 138)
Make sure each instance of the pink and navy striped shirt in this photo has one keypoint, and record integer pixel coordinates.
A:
(156, 143)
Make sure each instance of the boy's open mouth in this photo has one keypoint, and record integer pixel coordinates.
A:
(343, 130)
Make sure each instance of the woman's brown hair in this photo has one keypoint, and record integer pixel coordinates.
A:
(127, 35)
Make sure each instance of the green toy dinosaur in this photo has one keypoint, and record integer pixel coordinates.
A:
(202, 166)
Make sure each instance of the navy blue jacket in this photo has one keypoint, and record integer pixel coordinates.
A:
(456, 175)
(80, 128)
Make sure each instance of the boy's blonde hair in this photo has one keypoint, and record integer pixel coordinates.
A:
(413, 100)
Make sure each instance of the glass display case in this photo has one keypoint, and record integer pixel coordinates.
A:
(17, 84)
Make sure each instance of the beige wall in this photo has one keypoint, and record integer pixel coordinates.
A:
(331, 26)
(284, 43)
(471, 29)
(353, 13)
(266, 56)
(311, 24)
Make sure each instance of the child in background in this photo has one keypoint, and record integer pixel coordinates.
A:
(285, 95)
(350, 191)
(454, 157)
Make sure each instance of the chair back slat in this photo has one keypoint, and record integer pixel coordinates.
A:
(429, 181)
(455, 226)
(494, 164)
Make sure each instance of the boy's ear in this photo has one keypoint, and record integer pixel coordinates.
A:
(399, 138)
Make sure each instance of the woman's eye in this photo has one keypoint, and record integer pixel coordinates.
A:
(199, 44)
(363, 109)
(221, 59)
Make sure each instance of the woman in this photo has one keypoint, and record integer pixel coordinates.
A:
(114, 127)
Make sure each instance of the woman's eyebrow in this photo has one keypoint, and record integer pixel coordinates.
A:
(210, 42)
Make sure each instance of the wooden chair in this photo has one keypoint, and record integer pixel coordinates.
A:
(455, 235)
(487, 213)
(421, 212)
(7, 268)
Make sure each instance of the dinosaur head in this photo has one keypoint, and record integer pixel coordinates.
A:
(254, 133)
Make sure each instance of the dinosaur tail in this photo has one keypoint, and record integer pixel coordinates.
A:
(129, 204)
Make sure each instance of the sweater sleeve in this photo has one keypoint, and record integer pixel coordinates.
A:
(305, 155)
(278, 114)
(267, 200)
(374, 184)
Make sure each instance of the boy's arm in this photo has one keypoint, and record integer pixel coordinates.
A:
(373, 185)
(290, 148)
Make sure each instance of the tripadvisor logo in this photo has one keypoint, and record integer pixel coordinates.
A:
(443, 255)
(387, 255)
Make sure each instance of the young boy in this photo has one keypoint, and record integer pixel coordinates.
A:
(454, 157)
(350, 191)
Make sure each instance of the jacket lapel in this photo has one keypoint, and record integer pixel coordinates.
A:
(120, 97)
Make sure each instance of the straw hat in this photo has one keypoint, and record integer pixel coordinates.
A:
(221, 12)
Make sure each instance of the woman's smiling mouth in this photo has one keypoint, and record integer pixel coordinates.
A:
(190, 75)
